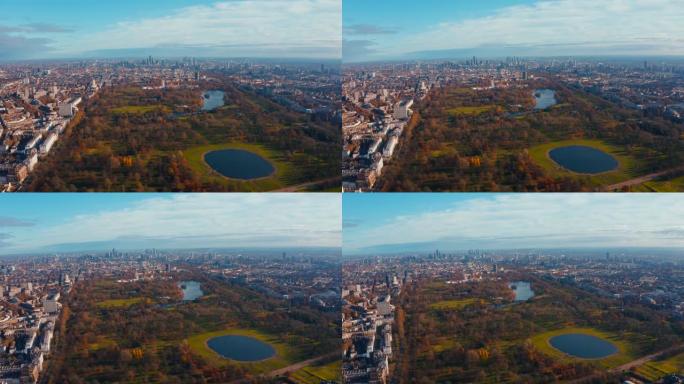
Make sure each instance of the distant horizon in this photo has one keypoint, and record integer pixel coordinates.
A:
(415, 222)
(284, 59)
(246, 249)
(635, 58)
(66, 222)
(43, 29)
(382, 29)
(427, 251)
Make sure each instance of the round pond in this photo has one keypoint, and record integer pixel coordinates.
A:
(239, 164)
(583, 159)
(241, 348)
(583, 345)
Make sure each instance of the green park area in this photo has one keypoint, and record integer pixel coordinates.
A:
(657, 369)
(626, 352)
(285, 354)
(628, 166)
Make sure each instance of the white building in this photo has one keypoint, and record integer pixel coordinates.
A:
(402, 109)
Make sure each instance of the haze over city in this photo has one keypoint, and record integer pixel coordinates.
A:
(70, 223)
(434, 29)
(41, 29)
(400, 223)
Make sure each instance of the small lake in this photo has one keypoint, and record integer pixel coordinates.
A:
(212, 100)
(583, 159)
(523, 290)
(239, 164)
(583, 346)
(544, 98)
(191, 290)
(241, 348)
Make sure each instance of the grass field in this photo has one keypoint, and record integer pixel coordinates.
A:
(285, 354)
(139, 109)
(281, 178)
(453, 305)
(628, 167)
(315, 374)
(624, 355)
(672, 185)
(120, 303)
(469, 111)
(655, 370)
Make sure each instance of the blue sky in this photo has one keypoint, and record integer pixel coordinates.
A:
(425, 221)
(72, 222)
(34, 29)
(401, 29)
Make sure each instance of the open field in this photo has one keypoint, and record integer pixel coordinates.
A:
(140, 109)
(624, 355)
(315, 374)
(628, 166)
(453, 305)
(656, 369)
(469, 110)
(120, 303)
(285, 354)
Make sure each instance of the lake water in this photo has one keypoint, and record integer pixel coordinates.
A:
(582, 159)
(523, 290)
(241, 348)
(544, 98)
(239, 164)
(583, 346)
(212, 100)
(191, 290)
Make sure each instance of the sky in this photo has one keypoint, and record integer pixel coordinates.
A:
(48, 29)
(46, 222)
(423, 222)
(408, 29)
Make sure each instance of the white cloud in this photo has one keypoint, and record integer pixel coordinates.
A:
(536, 220)
(560, 27)
(204, 220)
(237, 27)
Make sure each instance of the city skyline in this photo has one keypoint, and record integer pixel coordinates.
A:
(534, 28)
(404, 223)
(56, 223)
(199, 28)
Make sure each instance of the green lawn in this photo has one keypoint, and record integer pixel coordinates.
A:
(453, 305)
(119, 303)
(139, 109)
(469, 111)
(315, 374)
(672, 185)
(285, 354)
(655, 370)
(628, 166)
(626, 352)
(280, 179)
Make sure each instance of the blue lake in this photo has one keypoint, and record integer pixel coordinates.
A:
(523, 290)
(583, 159)
(583, 346)
(191, 290)
(239, 164)
(241, 348)
(544, 98)
(212, 100)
